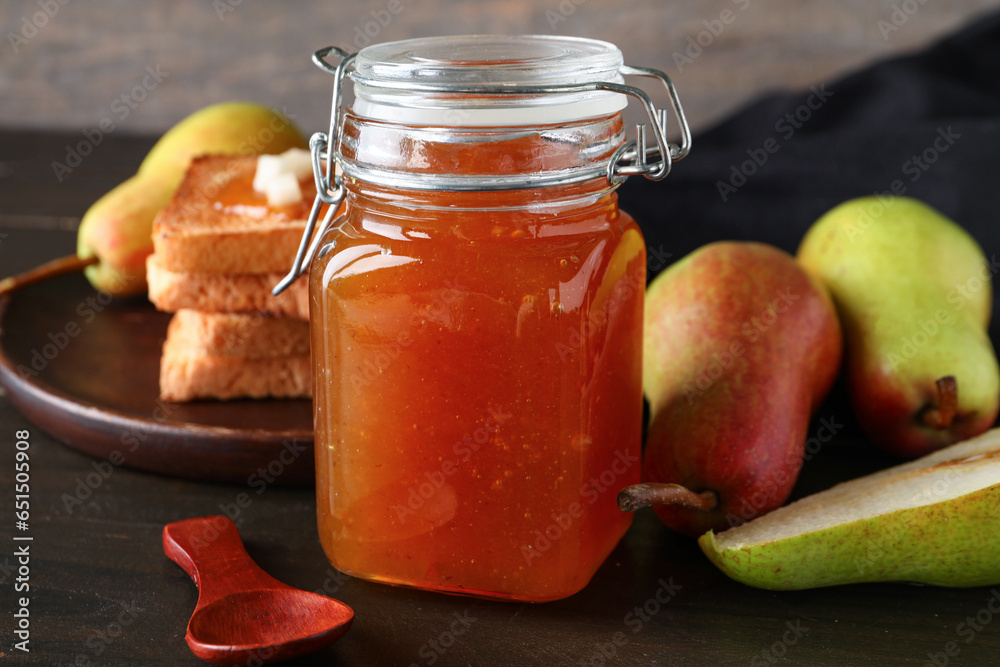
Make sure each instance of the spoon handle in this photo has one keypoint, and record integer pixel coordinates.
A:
(212, 544)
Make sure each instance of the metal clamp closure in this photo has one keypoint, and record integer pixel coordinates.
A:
(632, 158)
(329, 185)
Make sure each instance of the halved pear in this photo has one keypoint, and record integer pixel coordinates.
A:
(935, 520)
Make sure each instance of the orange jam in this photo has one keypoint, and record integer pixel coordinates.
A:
(476, 311)
(232, 193)
(478, 388)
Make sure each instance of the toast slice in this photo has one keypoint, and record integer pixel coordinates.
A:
(225, 356)
(185, 377)
(217, 223)
(172, 291)
(235, 335)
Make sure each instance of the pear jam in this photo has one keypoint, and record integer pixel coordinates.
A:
(476, 320)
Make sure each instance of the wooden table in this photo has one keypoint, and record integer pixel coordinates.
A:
(103, 593)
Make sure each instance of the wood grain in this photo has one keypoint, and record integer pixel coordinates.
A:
(85, 367)
(74, 72)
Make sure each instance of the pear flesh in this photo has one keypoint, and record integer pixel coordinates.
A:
(935, 520)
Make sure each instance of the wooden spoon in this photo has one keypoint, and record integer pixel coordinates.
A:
(243, 613)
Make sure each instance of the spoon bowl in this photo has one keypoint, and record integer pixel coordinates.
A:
(243, 613)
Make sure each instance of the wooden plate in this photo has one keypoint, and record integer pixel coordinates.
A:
(85, 368)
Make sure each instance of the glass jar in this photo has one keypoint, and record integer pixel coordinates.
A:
(476, 316)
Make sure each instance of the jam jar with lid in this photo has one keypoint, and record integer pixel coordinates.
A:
(477, 310)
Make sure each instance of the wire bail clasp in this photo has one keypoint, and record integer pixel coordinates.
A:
(632, 158)
(329, 184)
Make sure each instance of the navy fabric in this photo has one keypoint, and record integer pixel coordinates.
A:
(926, 123)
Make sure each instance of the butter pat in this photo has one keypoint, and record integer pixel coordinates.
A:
(297, 161)
(283, 189)
(278, 176)
(268, 167)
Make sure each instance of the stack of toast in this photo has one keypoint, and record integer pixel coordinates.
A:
(219, 248)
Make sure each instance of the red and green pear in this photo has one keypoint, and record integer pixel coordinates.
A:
(740, 347)
(913, 292)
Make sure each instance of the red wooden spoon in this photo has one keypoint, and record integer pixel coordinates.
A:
(243, 613)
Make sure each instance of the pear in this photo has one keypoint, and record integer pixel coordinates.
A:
(740, 346)
(933, 521)
(236, 128)
(114, 229)
(116, 233)
(913, 292)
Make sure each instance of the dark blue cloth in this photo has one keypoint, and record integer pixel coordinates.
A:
(928, 122)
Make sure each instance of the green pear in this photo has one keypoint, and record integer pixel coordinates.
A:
(232, 128)
(118, 228)
(933, 521)
(913, 293)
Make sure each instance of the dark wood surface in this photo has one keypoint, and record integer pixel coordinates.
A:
(86, 367)
(104, 593)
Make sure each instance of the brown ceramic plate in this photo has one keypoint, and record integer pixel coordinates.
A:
(85, 369)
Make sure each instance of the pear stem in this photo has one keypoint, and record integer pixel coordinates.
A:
(637, 496)
(56, 267)
(940, 417)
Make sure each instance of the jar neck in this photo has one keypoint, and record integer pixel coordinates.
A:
(548, 200)
(459, 159)
(557, 211)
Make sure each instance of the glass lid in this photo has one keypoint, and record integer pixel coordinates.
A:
(486, 80)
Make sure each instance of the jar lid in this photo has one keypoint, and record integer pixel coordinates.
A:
(454, 80)
(487, 80)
